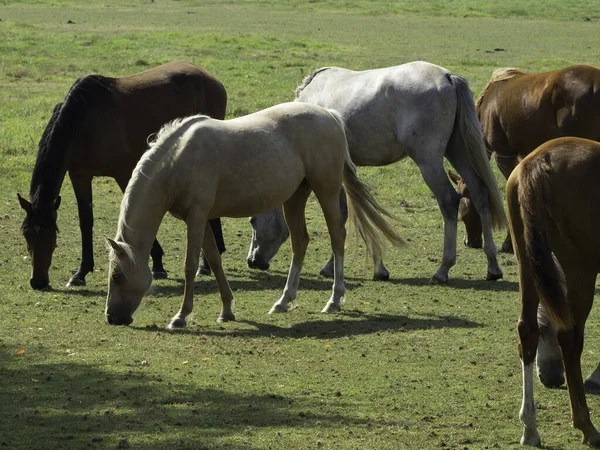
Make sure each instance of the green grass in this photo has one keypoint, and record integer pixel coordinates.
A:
(405, 365)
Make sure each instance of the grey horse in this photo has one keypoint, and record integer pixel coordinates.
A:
(418, 110)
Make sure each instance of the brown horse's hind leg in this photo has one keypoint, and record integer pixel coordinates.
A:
(294, 213)
(580, 292)
(196, 224)
(337, 233)
(212, 254)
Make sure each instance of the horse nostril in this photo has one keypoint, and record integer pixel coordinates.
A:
(258, 263)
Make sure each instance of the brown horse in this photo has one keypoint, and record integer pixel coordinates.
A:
(553, 197)
(101, 128)
(519, 111)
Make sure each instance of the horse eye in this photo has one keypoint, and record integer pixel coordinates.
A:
(116, 277)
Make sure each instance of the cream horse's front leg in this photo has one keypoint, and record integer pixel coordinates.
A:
(211, 252)
(196, 225)
(294, 213)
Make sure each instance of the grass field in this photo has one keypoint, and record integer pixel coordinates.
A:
(406, 365)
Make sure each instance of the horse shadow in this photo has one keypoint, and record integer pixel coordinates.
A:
(347, 323)
(252, 281)
(462, 284)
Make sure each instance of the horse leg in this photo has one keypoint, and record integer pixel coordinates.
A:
(549, 363)
(506, 164)
(82, 186)
(212, 254)
(580, 293)
(480, 198)
(156, 252)
(434, 175)
(529, 332)
(337, 233)
(294, 213)
(196, 224)
(217, 231)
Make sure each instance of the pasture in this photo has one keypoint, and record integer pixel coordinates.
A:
(405, 365)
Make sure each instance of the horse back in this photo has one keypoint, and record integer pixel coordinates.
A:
(520, 113)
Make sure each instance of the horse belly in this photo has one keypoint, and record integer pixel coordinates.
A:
(247, 193)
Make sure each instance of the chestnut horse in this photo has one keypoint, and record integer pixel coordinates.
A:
(553, 197)
(101, 129)
(519, 111)
(199, 168)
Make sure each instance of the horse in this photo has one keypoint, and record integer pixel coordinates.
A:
(552, 198)
(101, 129)
(520, 111)
(418, 110)
(199, 168)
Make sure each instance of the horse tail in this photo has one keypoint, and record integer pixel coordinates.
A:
(527, 194)
(467, 124)
(368, 217)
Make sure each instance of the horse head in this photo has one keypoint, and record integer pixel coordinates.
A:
(129, 277)
(269, 231)
(40, 230)
(467, 212)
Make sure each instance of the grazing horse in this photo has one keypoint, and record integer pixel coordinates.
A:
(552, 198)
(418, 110)
(520, 111)
(199, 168)
(101, 129)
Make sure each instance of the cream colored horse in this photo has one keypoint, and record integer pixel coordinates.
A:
(199, 168)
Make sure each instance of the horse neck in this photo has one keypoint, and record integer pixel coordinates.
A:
(142, 210)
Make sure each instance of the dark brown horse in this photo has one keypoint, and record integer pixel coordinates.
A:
(553, 197)
(520, 111)
(101, 129)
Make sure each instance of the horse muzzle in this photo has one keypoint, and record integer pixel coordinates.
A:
(118, 320)
(258, 263)
(40, 284)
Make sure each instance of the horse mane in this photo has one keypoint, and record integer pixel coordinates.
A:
(307, 79)
(156, 155)
(53, 157)
(498, 75)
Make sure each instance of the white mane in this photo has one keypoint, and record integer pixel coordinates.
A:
(158, 153)
(307, 79)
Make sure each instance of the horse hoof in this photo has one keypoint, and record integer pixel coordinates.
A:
(226, 318)
(177, 323)
(438, 279)
(159, 274)
(533, 441)
(278, 308)
(491, 276)
(331, 308)
(381, 276)
(203, 270)
(326, 272)
(75, 282)
(591, 387)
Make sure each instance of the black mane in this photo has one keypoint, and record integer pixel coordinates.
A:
(53, 159)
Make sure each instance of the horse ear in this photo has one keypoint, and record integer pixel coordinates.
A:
(114, 244)
(24, 204)
(454, 177)
(57, 202)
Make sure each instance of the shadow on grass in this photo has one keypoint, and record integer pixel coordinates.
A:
(458, 283)
(77, 405)
(351, 323)
(257, 281)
